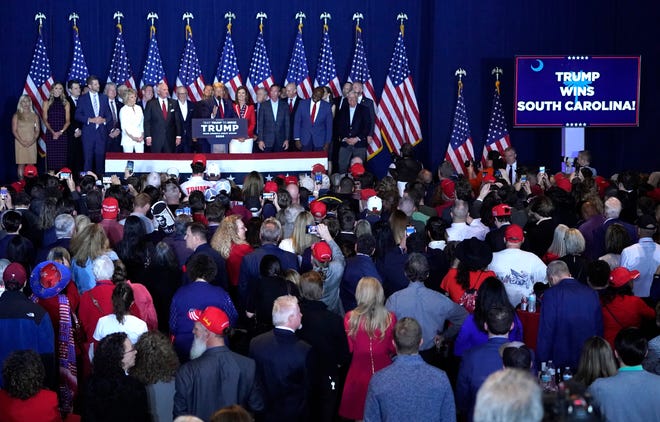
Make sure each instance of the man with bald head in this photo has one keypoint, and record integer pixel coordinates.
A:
(162, 130)
(612, 213)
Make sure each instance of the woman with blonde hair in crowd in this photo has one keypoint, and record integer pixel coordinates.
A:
(25, 127)
(577, 263)
(229, 241)
(300, 239)
(369, 328)
(56, 117)
(87, 245)
(557, 248)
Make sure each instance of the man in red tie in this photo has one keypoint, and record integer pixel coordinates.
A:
(162, 129)
(312, 129)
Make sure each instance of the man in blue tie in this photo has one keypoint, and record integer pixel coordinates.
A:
(93, 112)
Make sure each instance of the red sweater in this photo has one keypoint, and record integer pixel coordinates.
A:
(624, 312)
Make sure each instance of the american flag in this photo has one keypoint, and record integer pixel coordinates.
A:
(190, 74)
(260, 75)
(298, 72)
(153, 72)
(398, 114)
(38, 83)
(460, 149)
(498, 135)
(227, 71)
(78, 69)
(120, 68)
(326, 71)
(360, 73)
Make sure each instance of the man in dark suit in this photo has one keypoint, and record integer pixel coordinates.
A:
(284, 364)
(147, 95)
(358, 266)
(352, 126)
(270, 235)
(94, 114)
(273, 123)
(110, 91)
(292, 102)
(196, 240)
(184, 114)
(341, 102)
(74, 131)
(162, 130)
(312, 129)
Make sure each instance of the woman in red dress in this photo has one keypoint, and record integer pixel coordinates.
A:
(369, 328)
(244, 108)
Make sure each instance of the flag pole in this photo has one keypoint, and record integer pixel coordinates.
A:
(186, 17)
(229, 16)
(261, 16)
(497, 71)
(460, 72)
(300, 16)
(402, 17)
(118, 15)
(152, 16)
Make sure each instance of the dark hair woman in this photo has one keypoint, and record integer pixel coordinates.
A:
(135, 250)
(155, 366)
(111, 394)
(23, 397)
(491, 294)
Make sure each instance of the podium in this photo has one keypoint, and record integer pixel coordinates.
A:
(219, 133)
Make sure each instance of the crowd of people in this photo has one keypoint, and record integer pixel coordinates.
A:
(332, 296)
(81, 124)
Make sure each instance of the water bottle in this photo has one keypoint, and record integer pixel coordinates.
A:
(567, 374)
(552, 374)
(545, 377)
(531, 302)
(523, 303)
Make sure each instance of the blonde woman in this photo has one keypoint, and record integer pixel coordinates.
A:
(229, 241)
(369, 328)
(300, 239)
(55, 115)
(557, 248)
(87, 245)
(132, 124)
(25, 127)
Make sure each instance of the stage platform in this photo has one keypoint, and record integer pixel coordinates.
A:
(235, 166)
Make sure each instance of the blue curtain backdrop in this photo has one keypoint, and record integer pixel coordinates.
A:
(440, 36)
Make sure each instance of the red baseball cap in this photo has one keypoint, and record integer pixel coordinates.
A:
(270, 187)
(318, 168)
(322, 252)
(65, 170)
(30, 171)
(15, 273)
(290, 180)
(514, 234)
(357, 170)
(199, 158)
(110, 208)
(448, 188)
(367, 193)
(501, 210)
(318, 209)
(621, 276)
(212, 318)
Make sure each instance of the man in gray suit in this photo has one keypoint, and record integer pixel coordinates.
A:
(273, 123)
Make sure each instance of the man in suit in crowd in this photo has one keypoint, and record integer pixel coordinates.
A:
(352, 126)
(184, 114)
(147, 95)
(290, 94)
(312, 129)
(273, 123)
(93, 112)
(358, 88)
(162, 130)
(110, 91)
(216, 377)
(74, 131)
(284, 364)
(358, 266)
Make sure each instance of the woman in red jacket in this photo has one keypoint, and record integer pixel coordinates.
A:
(621, 309)
(244, 108)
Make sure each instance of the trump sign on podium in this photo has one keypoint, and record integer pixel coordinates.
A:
(577, 91)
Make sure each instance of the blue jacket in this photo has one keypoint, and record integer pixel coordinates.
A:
(249, 272)
(357, 267)
(313, 135)
(570, 314)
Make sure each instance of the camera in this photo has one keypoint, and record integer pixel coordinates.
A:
(313, 229)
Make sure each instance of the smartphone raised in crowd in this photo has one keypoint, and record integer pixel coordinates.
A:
(130, 165)
(312, 229)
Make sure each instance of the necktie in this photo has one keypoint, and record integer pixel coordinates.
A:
(313, 113)
(290, 105)
(95, 105)
(222, 109)
(511, 173)
(114, 112)
(164, 108)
